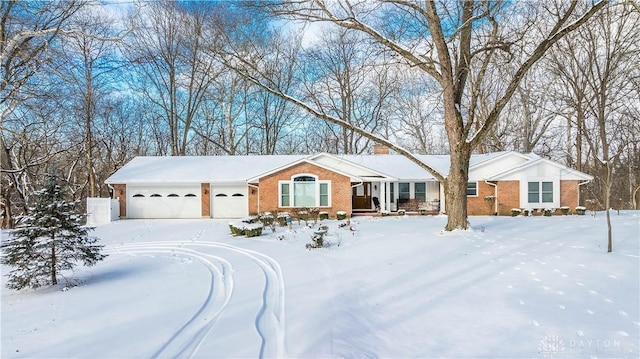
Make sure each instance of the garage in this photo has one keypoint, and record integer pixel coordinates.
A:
(178, 201)
(229, 201)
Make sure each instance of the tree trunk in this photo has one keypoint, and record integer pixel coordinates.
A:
(455, 189)
(54, 279)
(607, 205)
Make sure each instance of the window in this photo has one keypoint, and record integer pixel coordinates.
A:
(190, 195)
(156, 195)
(138, 195)
(403, 191)
(305, 191)
(472, 188)
(392, 189)
(547, 192)
(421, 191)
(237, 195)
(221, 195)
(284, 195)
(173, 195)
(536, 190)
(304, 188)
(324, 194)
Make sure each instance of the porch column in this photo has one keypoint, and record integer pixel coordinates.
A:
(383, 196)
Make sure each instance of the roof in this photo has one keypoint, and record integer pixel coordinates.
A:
(234, 169)
(197, 169)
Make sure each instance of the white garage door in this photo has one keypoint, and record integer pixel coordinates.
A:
(183, 201)
(229, 201)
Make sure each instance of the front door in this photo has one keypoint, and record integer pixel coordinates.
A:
(361, 196)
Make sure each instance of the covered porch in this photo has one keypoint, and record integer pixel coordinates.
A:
(374, 195)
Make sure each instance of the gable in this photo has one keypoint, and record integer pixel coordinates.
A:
(542, 168)
(344, 165)
(304, 167)
(496, 165)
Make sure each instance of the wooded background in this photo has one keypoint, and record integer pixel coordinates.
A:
(88, 85)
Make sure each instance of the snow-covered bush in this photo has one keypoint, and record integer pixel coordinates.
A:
(253, 229)
(527, 212)
(548, 212)
(317, 241)
(581, 210)
(515, 212)
(564, 210)
(341, 215)
(306, 214)
(323, 215)
(243, 228)
(401, 212)
(385, 213)
(267, 220)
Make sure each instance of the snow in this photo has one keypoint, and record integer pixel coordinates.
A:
(235, 169)
(394, 286)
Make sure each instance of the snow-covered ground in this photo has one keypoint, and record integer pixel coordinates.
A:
(393, 287)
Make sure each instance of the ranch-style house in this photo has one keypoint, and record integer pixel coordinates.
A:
(238, 186)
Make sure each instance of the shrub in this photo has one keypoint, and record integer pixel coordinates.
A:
(548, 212)
(527, 212)
(247, 229)
(282, 218)
(253, 230)
(401, 212)
(564, 210)
(341, 215)
(317, 241)
(515, 212)
(581, 210)
(323, 215)
(237, 229)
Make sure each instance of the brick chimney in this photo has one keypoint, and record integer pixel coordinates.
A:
(380, 150)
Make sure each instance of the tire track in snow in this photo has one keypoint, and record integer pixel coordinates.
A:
(270, 319)
(187, 340)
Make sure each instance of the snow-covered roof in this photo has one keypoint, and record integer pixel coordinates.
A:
(197, 169)
(235, 169)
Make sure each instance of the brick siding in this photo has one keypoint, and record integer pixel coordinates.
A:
(340, 189)
(120, 192)
(205, 193)
(253, 200)
(569, 194)
(477, 205)
(508, 196)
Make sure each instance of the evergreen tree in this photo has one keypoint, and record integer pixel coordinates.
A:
(50, 240)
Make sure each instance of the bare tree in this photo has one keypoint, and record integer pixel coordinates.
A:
(26, 32)
(168, 48)
(90, 69)
(274, 118)
(448, 41)
(344, 80)
(605, 58)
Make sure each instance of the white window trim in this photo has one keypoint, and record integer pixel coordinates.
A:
(477, 190)
(317, 183)
(525, 193)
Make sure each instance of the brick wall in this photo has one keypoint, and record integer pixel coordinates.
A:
(508, 196)
(380, 150)
(340, 188)
(569, 194)
(205, 193)
(253, 200)
(478, 205)
(120, 192)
